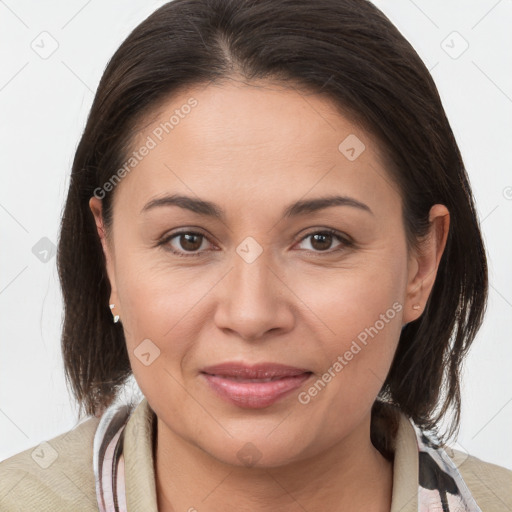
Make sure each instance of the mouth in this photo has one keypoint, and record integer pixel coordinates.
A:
(254, 386)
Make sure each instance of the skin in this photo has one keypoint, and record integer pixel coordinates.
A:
(253, 150)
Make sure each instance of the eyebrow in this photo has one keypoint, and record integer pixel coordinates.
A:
(210, 209)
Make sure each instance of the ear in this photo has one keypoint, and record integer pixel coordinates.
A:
(95, 205)
(424, 263)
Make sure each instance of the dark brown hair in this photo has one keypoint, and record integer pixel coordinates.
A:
(346, 50)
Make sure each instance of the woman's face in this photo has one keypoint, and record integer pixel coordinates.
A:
(261, 280)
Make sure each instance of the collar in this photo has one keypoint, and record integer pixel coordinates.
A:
(424, 477)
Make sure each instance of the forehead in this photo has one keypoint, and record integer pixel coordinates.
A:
(249, 140)
(239, 117)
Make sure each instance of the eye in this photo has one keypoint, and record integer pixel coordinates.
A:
(321, 241)
(192, 243)
(184, 242)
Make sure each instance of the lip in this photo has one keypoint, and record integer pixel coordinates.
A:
(254, 386)
(256, 371)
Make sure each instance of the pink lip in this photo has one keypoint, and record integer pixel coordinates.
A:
(238, 383)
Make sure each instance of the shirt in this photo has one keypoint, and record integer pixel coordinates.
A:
(59, 474)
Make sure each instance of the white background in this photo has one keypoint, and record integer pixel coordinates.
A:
(44, 104)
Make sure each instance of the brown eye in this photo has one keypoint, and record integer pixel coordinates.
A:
(190, 241)
(185, 243)
(322, 241)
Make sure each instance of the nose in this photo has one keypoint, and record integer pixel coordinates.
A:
(254, 300)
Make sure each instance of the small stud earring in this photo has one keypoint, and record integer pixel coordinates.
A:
(416, 306)
(116, 317)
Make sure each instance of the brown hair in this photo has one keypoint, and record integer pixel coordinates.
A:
(345, 49)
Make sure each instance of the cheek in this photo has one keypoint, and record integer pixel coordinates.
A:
(346, 301)
(361, 310)
(161, 303)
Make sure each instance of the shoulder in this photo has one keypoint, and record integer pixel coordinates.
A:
(490, 484)
(55, 475)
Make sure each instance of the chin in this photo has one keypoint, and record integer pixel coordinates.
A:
(257, 451)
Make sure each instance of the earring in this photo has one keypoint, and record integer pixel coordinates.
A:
(416, 306)
(116, 317)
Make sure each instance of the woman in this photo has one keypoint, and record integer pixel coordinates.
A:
(269, 225)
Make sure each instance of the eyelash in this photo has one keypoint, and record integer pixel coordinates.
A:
(346, 242)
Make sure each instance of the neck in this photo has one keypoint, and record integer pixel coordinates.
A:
(351, 475)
